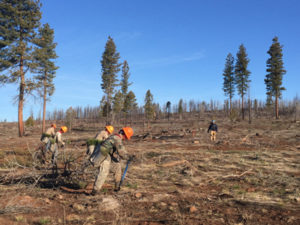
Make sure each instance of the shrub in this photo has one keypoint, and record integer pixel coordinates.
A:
(29, 122)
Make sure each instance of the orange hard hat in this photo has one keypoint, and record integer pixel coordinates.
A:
(128, 131)
(110, 129)
(64, 129)
(53, 125)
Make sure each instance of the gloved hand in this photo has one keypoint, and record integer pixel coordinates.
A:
(131, 157)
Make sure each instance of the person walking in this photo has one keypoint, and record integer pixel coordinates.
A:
(58, 142)
(108, 156)
(213, 129)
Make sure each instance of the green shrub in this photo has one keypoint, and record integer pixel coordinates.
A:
(29, 122)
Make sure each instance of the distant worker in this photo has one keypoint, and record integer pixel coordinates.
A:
(46, 137)
(107, 156)
(101, 136)
(213, 129)
(58, 142)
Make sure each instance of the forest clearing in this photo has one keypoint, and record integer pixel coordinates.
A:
(125, 112)
(250, 175)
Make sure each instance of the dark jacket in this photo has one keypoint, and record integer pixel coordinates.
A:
(213, 127)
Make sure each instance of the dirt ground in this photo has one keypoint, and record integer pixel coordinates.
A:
(250, 175)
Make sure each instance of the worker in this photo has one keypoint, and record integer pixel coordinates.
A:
(46, 137)
(107, 156)
(101, 136)
(213, 129)
(58, 142)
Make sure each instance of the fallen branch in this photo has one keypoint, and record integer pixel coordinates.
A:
(237, 176)
(232, 176)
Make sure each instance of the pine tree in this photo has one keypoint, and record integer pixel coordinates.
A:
(229, 82)
(18, 24)
(124, 79)
(118, 102)
(275, 72)
(242, 74)
(110, 68)
(43, 62)
(129, 103)
(149, 107)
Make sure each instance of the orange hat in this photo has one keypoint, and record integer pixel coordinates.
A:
(53, 125)
(128, 132)
(64, 129)
(109, 129)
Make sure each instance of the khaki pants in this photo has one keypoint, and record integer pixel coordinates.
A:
(213, 135)
(55, 152)
(103, 172)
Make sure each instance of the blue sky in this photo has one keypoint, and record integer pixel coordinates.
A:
(175, 48)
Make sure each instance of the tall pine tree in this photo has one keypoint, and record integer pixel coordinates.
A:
(149, 107)
(275, 72)
(242, 74)
(110, 68)
(124, 79)
(18, 24)
(43, 62)
(127, 99)
(229, 82)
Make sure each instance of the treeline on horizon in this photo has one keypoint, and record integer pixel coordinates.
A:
(180, 110)
(27, 54)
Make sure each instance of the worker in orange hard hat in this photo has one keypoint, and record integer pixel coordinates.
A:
(101, 136)
(105, 133)
(46, 137)
(58, 142)
(108, 155)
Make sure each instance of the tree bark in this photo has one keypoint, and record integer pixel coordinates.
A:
(249, 105)
(276, 107)
(44, 105)
(243, 111)
(21, 100)
(230, 105)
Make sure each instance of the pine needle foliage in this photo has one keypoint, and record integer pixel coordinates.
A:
(124, 79)
(275, 72)
(129, 103)
(19, 21)
(43, 65)
(242, 74)
(149, 107)
(110, 68)
(118, 102)
(229, 82)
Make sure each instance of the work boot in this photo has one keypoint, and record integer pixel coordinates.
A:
(94, 192)
(117, 187)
